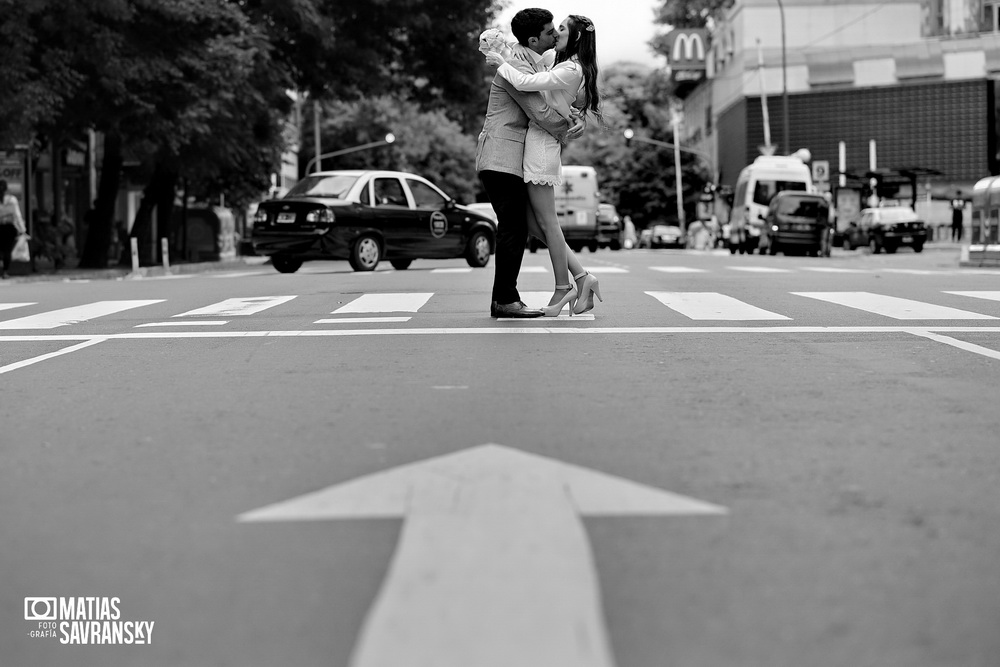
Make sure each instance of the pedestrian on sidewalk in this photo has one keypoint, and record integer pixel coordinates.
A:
(11, 226)
(957, 215)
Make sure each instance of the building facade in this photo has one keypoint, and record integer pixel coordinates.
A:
(916, 77)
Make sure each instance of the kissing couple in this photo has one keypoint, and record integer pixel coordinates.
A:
(544, 89)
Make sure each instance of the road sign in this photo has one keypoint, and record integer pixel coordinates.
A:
(493, 566)
(821, 171)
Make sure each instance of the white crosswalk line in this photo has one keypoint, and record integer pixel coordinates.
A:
(534, 269)
(389, 302)
(832, 269)
(466, 269)
(712, 306)
(991, 296)
(9, 306)
(894, 307)
(74, 314)
(361, 320)
(759, 269)
(677, 269)
(239, 306)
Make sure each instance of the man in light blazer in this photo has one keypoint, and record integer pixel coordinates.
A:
(501, 150)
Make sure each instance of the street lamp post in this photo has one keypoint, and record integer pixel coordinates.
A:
(389, 138)
(784, 85)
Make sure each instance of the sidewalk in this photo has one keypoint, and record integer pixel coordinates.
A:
(22, 274)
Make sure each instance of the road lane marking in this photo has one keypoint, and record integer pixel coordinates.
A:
(74, 314)
(960, 344)
(894, 307)
(493, 566)
(34, 360)
(990, 295)
(362, 320)
(534, 269)
(759, 269)
(677, 269)
(389, 302)
(712, 306)
(190, 323)
(10, 306)
(467, 269)
(238, 307)
(240, 274)
(832, 269)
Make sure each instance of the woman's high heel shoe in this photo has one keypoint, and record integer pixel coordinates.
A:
(568, 298)
(585, 300)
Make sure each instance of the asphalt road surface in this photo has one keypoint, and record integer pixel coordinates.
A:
(735, 461)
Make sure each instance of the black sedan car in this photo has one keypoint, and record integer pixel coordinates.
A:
(891, 227)
(367, 216)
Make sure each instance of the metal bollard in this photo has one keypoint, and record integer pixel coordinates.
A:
(135, 254)
(165, 250)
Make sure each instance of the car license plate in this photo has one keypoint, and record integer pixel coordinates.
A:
(907, 239)
(286, 217)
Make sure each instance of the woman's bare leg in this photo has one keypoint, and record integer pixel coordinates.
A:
(543, 201)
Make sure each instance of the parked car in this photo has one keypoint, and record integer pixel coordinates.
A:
(367, 216)
(891, 227)
(666, 236)
(609, 227)
(797, 223)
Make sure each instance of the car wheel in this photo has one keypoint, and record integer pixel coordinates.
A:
(873, 244)
(286, 264)
(919, 247)
(592, 246)
(477, 253)
(366, 253)
(616, 245)
(401, 264)
(847, 245)
(732, 248)
(772, 248)
(890, 249)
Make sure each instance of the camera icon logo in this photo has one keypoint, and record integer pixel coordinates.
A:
(40, 609)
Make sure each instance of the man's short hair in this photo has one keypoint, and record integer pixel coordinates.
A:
(529, 23)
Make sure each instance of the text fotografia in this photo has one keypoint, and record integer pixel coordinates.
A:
(84, 620)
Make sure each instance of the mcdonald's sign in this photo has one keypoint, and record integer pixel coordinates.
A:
(688, 48)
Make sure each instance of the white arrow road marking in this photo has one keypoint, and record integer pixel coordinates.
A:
(894, 307)
(74, 314)
(239, 306)
(712, 306)
(389, 302)
(493, 566)
(992, 296)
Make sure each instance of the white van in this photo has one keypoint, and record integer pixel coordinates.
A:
(577, 202)
(757, 183)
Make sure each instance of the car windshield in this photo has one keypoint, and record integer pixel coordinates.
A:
(897, 215)
(323, 186)
(801, 207)
(763, 191)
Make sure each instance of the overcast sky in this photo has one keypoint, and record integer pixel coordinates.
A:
(623, 26)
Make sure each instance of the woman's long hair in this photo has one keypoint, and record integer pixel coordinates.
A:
(582, 43)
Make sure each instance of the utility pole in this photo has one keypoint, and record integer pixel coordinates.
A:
(675, 119)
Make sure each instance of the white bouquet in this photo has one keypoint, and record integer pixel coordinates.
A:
(493, 40)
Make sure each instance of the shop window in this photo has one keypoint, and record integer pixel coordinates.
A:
(991, 16)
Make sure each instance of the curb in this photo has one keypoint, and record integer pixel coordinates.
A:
(123, 273)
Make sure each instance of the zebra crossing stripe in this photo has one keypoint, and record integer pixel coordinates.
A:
(894, 307)
(74, 314)
(467, 269)
(9, 306)
(361, 320)
(677, 269)
(388, 302)
(240, 306)
(992, 296)
(759, 269)
(712, 306)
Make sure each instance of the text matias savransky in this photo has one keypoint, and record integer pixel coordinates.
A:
(84, 620)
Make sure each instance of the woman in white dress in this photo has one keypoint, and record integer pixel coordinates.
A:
(569, 87)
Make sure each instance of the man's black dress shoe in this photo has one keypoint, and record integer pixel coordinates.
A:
(516, 309)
